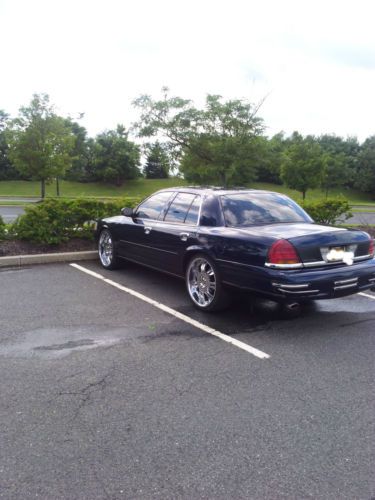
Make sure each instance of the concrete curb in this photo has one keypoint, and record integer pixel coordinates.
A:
(46, 258)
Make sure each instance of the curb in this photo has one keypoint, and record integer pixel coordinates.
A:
(46, 258)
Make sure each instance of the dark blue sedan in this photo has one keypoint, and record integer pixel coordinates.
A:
(258, 241)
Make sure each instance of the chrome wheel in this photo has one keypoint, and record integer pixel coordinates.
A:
(106, 248)
(201, 282)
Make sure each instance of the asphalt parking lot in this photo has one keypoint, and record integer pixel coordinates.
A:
(106, 395)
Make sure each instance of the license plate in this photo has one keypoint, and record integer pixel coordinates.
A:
(336, 253)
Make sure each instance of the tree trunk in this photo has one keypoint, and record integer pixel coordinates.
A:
(224, 179)
(303, 195)
(43, 188)
(57, 186)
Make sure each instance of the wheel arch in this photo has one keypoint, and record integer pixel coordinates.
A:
(194, 250)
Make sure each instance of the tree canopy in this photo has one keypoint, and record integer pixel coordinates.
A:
(116, 157)
(40, 141)
(215, 144)
(302, 167)
(157, 162)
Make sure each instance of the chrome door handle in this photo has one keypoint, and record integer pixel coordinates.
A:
(148, 230)
(184, 236)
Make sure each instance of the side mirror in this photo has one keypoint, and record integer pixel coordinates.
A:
(127, 212)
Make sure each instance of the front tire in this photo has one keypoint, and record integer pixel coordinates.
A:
(204, 285)
(107, 252)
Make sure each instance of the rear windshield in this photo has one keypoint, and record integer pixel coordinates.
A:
(248, 209)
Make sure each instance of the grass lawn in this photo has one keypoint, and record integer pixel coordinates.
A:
(144, 187)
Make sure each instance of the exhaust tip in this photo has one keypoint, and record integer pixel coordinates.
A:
(290, 310)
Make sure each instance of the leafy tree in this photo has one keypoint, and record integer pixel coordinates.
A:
(340, 158)
(7, 171)
(40, 142)
(335, 171)
(216, 144)
(269, 167)
(302, 167)
(157, 163)
(116, 158)
(366, 166)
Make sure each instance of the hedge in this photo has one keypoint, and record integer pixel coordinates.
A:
(2, 228)
(328, 211)
(55, 221)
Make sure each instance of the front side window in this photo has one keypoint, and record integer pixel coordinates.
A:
(249, 209)
(152, 207)
(179, 208)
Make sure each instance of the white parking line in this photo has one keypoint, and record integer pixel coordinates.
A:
(176, 314)
(367, 295)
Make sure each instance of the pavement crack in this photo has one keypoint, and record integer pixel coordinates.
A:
(86, 392)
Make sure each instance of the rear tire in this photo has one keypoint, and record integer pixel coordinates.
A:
(204, 285)
(107, 252)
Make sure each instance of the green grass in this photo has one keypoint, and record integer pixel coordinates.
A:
(144, 187)
(355, 197)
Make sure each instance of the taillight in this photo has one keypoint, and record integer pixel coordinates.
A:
(283, 252)
(371, 248)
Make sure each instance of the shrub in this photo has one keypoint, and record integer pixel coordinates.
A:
(2, 229)
(328, 211)
(54, 221)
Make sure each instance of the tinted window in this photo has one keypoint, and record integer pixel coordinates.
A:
(179, 208)
(246, 209)
(192, 216)
(151, 208)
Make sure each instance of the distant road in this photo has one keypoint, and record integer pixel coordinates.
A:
(19, 199)
(11, 212)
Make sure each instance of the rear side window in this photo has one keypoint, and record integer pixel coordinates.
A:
(246, 209)
(152, 207)
(193, 213)
(180, 207)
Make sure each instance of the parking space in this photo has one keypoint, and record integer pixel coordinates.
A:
(105, 395)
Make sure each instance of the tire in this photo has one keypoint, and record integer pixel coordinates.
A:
(204, 285)
(106, 249)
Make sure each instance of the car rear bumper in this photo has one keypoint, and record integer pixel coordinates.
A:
(324, 283)
(304, 284)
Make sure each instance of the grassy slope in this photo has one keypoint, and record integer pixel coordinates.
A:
(143, 187)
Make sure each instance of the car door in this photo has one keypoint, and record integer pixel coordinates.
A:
(134, 242)
(177, 230)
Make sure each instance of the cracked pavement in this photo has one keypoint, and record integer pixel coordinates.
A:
(104, 396)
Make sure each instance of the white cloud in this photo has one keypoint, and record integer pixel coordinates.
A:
(314, 59)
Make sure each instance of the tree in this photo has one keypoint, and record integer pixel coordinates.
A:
(269, 167)
(366, 166)
(7, 171)
(157, 163)
(40, 142)
(216, 144)
(335, 171)
(302, 167)
(116, 157)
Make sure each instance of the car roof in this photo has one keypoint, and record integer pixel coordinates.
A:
(216, 190)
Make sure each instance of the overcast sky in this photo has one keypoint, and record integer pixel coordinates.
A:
(314, 60)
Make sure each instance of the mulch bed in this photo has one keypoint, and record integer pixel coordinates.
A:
(18, 247)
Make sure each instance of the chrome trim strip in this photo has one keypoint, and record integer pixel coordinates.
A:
(303, 292)
(282, 285)
(148, 246)
(283, 266)
(234, 262)
(344, 282)
(324, 263)
(342, 287)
